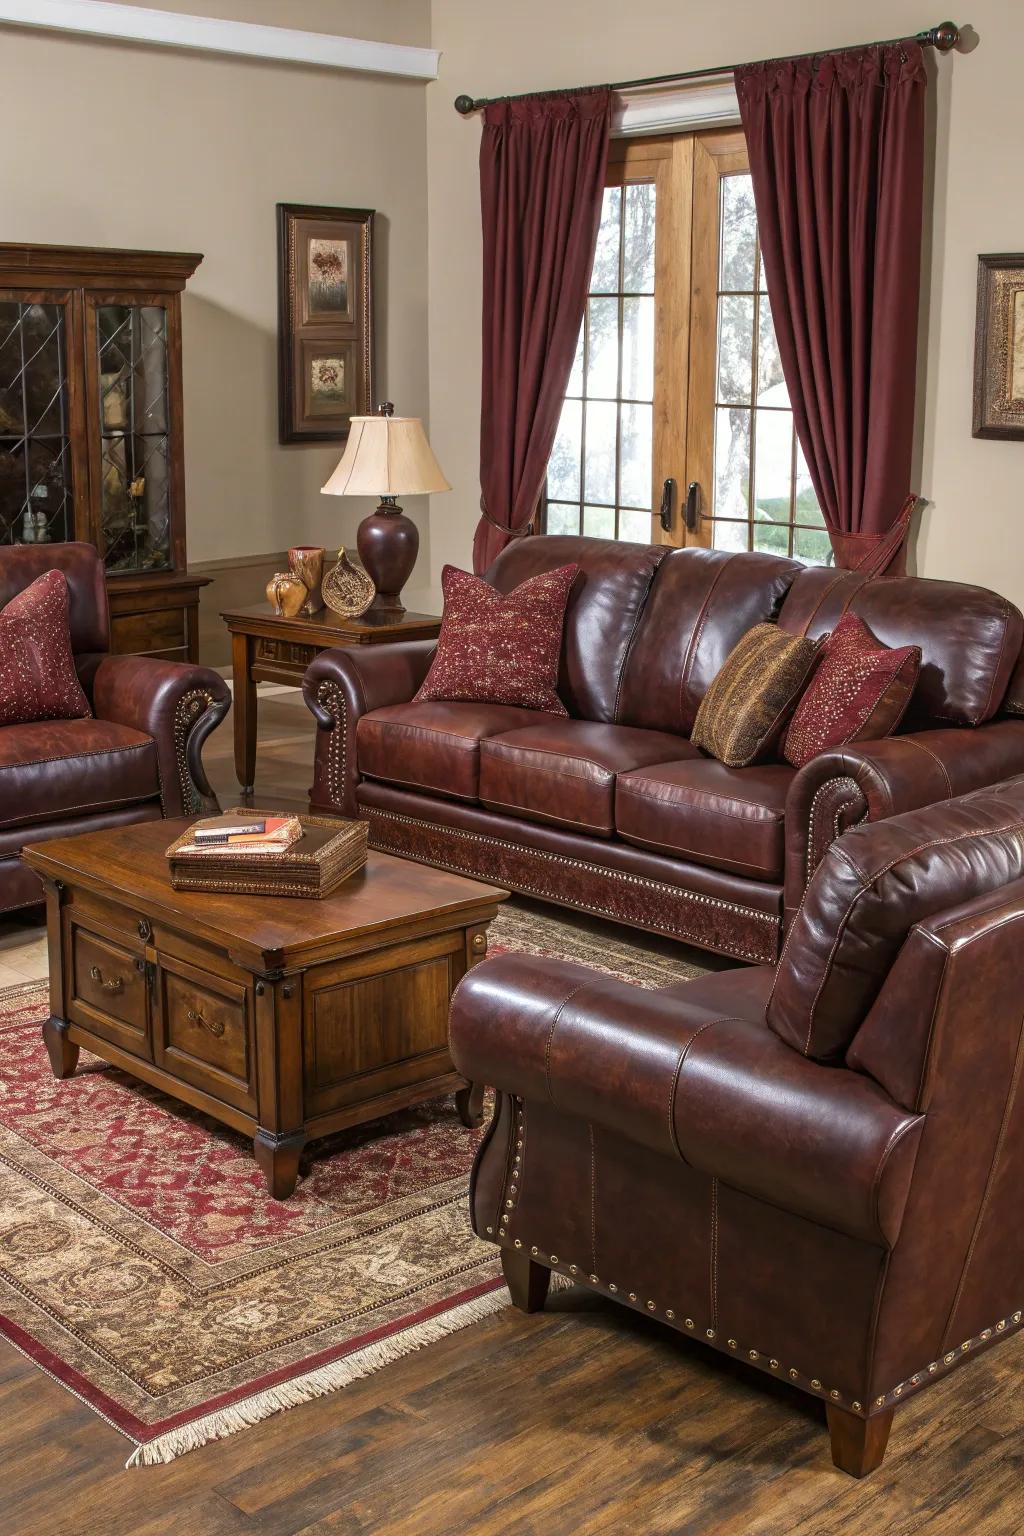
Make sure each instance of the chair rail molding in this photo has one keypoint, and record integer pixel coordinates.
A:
(212, 34)
(678, 107)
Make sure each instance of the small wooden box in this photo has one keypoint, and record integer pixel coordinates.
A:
(331, 848)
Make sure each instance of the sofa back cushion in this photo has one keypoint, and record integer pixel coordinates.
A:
(970, 638)
(868, 892)
(702, 602)
(82, 565)
(604, 607)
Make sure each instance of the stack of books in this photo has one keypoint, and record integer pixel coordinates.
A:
(255, 853)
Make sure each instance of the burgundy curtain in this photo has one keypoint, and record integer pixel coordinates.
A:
(542, 167)
(836, 148)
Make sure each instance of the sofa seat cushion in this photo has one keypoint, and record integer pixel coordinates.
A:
(564, 770)
(730, 818)
(53, 768)
(435, 745)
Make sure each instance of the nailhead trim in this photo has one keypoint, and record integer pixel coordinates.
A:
(186, 713)
(330, 697)
(949, 1358)
(645, 882)
(514, 1178)
(823, 789)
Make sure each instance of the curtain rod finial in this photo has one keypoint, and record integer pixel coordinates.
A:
(945, 36)
(464, 105)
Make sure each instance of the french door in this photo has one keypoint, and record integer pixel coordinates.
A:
(677, 426)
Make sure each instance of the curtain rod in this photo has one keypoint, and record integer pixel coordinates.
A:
(942, 37)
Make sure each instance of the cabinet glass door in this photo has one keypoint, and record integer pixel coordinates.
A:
(135, 500)
(35, 428)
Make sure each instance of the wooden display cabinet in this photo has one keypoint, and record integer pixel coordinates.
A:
(91, 443)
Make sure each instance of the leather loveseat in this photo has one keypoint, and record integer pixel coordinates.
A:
(613, 811)
(814, 1168)
(137, 758)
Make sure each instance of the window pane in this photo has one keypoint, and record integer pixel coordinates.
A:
(564, 463)
(732, 462)
(575, 385)
(760, 272)
(599, 522)
(738, 236)
(562, 518)
(638, 349)
(599, 473)
(735, 350)
(605, 276)
(812, 546)
(635, 526)
(603, 356)
(730, 536)
(638, 247)
(635, 456)
(773, 466)
(771, 386)
(807, 508)
(772, 538)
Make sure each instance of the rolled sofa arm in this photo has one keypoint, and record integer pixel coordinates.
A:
(687, 1080)
(178, 705)
(871, 780)
(339, 686)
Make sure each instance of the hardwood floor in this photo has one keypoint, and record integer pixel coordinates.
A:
(583, 1418)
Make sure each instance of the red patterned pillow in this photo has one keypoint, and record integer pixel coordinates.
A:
(859, 693)
(500, 650)
(38, 680)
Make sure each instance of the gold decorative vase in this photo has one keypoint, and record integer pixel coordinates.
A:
(307, 563)
(348, 590)
(286, 593)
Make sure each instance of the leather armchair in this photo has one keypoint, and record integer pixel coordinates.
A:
(138, 757)
(813, 1167)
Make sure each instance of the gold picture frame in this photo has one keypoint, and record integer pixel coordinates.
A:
(999, 348)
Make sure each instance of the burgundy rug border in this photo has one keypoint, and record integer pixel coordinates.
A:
(141, 1433)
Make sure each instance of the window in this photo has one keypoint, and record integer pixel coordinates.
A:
(677, 383)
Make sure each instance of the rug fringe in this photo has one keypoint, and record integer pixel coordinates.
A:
(318, 1383)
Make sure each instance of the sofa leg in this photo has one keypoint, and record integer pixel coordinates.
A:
(858, 1445)
(469, 1102)
(527, 1282)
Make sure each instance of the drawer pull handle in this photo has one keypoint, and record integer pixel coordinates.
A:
(216, 1028)
(116, 984)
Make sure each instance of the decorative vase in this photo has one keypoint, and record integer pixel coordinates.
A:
(287, 593)
(347, 589)
(307, 562)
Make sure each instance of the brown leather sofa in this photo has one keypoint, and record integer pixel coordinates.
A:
(613, 810)
(137, 759)
(815, 1168)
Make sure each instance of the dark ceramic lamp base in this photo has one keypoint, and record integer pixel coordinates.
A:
(388, 543)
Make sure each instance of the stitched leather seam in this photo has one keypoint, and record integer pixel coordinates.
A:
(417, 732)
(548, 816)
(692, 853)
(92, 805)
(1004, 1125)
(551, 1035)
(684, 1052)
(641, 610)
(392, 778)
(566, 773)
(684, 674)
(911, 741)
(593, 1200)
(940, 990)
(642, 794)
(876, 1186)
(868, 768)
(995, 670)
(1011, 917)
(796, 918)
(713, 1277)
(70, 757)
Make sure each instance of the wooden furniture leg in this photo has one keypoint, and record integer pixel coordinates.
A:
(243, 697)
(63, 1053)
(858, 1445)
(278, 1159)
(527, 1282)
(469, 1102)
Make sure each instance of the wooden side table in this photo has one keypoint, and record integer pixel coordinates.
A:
(269, 649)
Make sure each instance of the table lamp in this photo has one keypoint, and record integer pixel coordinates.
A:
(387, 456)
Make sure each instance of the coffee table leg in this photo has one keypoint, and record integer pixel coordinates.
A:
(278, 1159)
(63, 1053)
(469, 1102)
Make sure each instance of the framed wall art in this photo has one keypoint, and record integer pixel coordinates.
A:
(999, 348)
(325, 328)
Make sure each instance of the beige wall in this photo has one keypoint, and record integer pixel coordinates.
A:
(123, 145)
(973, 529)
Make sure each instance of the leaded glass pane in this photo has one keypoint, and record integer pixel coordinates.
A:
(136, 505)
(35, 459)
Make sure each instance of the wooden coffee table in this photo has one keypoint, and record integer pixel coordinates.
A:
(282, 1017)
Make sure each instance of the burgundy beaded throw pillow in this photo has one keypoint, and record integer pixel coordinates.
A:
(498, 649)
(859, 693)
(38, 680)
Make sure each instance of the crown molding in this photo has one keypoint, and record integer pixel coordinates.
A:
(212, 34)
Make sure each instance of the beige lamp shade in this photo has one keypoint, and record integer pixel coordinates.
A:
(386, 456)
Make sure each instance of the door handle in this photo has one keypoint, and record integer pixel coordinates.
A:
(691, 513)
(665, 511)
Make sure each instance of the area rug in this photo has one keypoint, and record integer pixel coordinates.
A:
(144, 1266)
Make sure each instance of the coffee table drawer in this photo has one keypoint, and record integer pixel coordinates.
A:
(205, 1033)
(109, 994)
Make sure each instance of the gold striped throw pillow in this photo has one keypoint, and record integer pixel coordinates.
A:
(756, 690)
